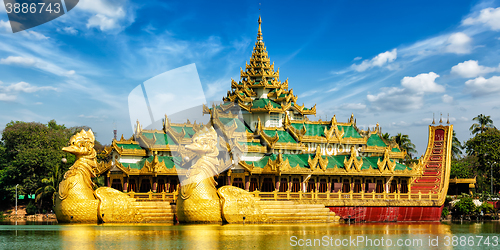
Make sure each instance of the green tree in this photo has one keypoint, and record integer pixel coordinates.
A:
(464, 168)
(405, 143)
(464, 207)
(30, 155)
(45, 193)
(486, 147)
(456, 147)
(386, 136)
(483, 122)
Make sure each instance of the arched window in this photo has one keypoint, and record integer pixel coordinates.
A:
(357, 186)
(238, 182)
(145, 186)
(296, 185)
(268, 185)
(173, 186)
(380, 187)
(394, 186)
(253, 184)
(311, 185)
(323, 187)
(346, 186)
(161, 186)
(132, 187)
(404, 186)
(117, 184)
(284, 185)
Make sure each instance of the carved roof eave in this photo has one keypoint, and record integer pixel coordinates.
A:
(303, 111)
(122, 151)
(103, 167)
(245, 107)
(289, 146)
(256, 149)
(246, 166)
(122, 168)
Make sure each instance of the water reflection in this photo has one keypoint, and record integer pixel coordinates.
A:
(151, 236)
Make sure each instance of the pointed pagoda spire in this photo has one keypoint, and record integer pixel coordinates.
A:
(259, 33)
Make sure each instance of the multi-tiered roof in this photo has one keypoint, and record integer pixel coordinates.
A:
(260, 89)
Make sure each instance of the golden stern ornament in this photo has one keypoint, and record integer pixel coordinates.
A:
(198, 201)
(77, 202)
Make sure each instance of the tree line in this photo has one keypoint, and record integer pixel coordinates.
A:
(31, 159)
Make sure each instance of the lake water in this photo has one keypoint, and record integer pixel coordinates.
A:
(316, 236)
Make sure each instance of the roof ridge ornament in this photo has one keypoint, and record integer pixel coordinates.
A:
(259, 32)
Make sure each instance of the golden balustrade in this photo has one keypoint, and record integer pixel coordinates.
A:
(151, 196)
(283, 196)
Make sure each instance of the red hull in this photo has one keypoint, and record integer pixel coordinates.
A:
(379, 214)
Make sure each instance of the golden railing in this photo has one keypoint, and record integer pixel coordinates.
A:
(151, 196)
(281, 196)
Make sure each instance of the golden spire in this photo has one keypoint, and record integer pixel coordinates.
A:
(259, 33)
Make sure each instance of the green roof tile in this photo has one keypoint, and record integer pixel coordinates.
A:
(395, 150)
(284, 136)
(375, 140)
(261, 103)
(128, 146)
(161, 138)
(349, 132)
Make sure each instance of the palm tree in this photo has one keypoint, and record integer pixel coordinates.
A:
(483, 122)
(386, 136)
(404, 143)
(456, 147)
(51, 185)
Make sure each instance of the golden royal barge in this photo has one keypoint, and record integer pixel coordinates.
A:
(273, 151)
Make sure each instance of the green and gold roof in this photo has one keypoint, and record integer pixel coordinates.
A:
(297, 146)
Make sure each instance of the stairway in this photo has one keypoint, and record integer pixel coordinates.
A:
(276, 211)
(156, 211)
(291, 212)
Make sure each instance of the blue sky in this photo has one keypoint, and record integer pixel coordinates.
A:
(395, 63)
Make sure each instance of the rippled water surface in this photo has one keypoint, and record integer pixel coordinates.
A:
(316, 236)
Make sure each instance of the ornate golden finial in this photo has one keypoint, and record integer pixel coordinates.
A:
(259, 33)
(433, 122)
(441, 118)
(448, 121)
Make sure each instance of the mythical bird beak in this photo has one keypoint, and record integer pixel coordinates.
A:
(70, 149)
(196, 148)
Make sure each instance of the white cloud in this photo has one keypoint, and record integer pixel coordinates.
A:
(70, 30)
(7, 98)
(19, 60)
(24, 87)
(471, 68)
(396, 99)
(488, 16)
(103, 22)
(458, 43)
(37, 63)
(447, 99)
(106, 15)
(9, 93)
(481, 86)
(5, 26)
(422, 83)
(357, 58)
(378, 61)
(34, 35)
(350, 106)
